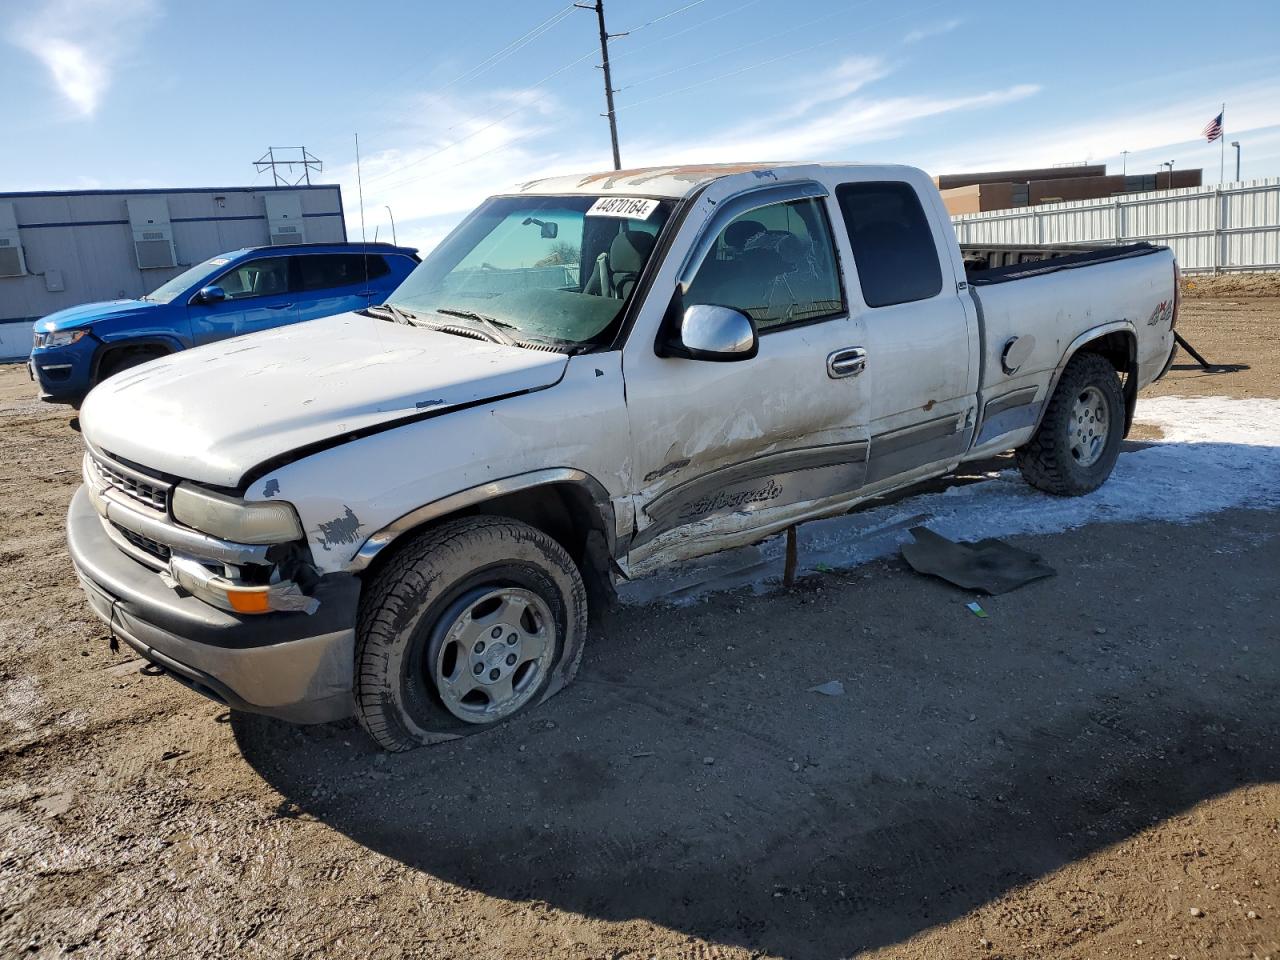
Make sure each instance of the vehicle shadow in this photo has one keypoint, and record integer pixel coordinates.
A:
(691, 777)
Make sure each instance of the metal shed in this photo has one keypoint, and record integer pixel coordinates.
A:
(62, 248)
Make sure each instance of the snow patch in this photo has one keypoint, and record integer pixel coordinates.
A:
(1216, 453)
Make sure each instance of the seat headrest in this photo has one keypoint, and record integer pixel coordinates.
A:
(629, 251)
(739, 232)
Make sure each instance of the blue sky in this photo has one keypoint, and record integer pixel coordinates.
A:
(454, 101)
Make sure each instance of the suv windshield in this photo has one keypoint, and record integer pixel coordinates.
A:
(171, 289)
(549, 268)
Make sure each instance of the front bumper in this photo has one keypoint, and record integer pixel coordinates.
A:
(294, 666)
(63, 374)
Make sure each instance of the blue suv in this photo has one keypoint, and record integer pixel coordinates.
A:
(235, 293)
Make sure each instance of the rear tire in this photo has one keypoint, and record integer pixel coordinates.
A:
(467, 625)
(1076, 445)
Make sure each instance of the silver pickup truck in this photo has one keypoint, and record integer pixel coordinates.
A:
(405, 511)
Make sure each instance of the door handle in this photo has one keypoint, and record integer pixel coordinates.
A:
(848, 362)
(279, 306)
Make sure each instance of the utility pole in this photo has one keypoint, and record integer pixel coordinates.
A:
(605, 37)
(1124, 162)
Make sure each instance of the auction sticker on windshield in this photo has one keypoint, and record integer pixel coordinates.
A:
(630, 208)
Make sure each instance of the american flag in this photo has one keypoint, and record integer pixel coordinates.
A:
(1214, 130)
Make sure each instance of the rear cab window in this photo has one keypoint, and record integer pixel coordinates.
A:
(892, 241)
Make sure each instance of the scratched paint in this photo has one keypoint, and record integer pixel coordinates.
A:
(343, 529)
(1217, 453)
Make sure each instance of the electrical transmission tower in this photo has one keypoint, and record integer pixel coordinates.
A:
(290, 157)
(605, 37)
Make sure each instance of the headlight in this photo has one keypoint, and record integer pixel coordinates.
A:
(230, 518)
(60, 338)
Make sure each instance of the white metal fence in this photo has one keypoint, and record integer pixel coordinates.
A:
(1224, 227)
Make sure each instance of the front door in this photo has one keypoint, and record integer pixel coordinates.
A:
(258, 295)
(726, 451)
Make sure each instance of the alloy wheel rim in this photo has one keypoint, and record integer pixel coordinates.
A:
(497, 644)
(1090, 425)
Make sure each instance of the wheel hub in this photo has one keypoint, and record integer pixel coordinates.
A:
(498, 656)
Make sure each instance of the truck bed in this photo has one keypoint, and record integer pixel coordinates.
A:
(985, 265)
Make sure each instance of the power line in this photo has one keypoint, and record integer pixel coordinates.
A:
(738, 49)
(489, 62)
(525, 105)
(529, 103)
(650, 23)
(761, 63)
(629, 50)
(508, 143)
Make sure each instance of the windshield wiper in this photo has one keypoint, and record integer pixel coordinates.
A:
(398, 315)
(488, 324)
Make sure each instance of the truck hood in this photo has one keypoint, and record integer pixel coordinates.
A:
(213, 413)
(86, 313)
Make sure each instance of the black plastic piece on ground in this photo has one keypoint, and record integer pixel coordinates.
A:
(989, 566)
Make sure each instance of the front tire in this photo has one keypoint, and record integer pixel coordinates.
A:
(1076, 445)
(469, 624)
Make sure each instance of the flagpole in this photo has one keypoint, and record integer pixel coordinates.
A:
(1222, 146)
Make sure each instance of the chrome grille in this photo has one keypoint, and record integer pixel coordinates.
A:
(148, 491)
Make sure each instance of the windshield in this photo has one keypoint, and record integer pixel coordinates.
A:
(170, 290)
(551, 268)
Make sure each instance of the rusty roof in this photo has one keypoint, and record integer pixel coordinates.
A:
(677, 181)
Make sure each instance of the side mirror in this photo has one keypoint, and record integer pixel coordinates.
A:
(211, 295)
(707, 332)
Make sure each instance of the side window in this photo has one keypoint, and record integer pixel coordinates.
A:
(319, 271)
(893, 248)
(776, 264)
(256, 278)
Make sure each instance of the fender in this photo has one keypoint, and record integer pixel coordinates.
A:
(479, 494)
(1094, 333)
(171, 344)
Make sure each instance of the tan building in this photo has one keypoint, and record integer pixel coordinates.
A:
(1004, 189)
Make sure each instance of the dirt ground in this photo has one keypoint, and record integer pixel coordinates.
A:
(1093, 771)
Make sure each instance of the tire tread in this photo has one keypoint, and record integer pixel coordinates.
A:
(1041, 459)
(396, 589)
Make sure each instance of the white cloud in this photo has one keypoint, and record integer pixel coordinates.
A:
(466, 148)
(460, 149)
(1152, 134)
(827, 120)
(80, 42)
(923, 33)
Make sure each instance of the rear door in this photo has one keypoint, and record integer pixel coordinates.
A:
(727, 449)
(259, 296)
(921, 330)
(330, 283)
